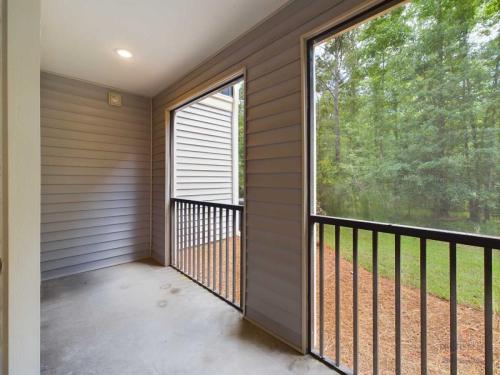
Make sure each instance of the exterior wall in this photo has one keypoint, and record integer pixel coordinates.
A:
(159, 165)
(21, 186)
(275, 227)
(204, 150)
(96, 176)
(3, 243)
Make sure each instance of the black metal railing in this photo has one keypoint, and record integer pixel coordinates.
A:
(317, 225)
(206, 246)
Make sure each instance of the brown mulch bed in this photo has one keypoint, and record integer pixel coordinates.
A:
(470, 327)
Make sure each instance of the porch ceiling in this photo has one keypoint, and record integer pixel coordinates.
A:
(167, 38)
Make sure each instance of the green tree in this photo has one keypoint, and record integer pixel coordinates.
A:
(407, 126)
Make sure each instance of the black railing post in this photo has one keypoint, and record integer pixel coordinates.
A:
(375, 300)
(337, 295)
(453, 310)
(397, 273)
(209, 233)
(204, 242)
(227, 253)
(199, 247)
(214, 252)
(184, 237)
(488, 311)
(193, 240)
(321, 290)
(355, 330)
(178, 233)
(234, 255)
(423, 306)
(220, 250)
(242, 259)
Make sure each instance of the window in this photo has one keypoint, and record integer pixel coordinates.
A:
(206, 208)
(404, 129)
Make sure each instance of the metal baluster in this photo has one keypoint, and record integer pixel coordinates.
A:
(198, 239)
(214, 250)
(337, 295)
(453, 309)
(186, 239)
(204, 253)
(183, 256)
(242, 245)
(220, 250)
(321, 290)
(209, 233)
(189, 237)
(375, 300)
(312, 283)
(227, 252)
(191, 219)
(488, 311)
(397, 273)
(234, 254)
(423, 306)
(190, 255)
(195, 242)
(177, 233)
(179, 249)
(355, 328)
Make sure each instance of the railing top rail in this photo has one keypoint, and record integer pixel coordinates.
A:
(235, 207)
(405, 230)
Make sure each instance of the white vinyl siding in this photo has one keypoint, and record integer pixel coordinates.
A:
(203, 151)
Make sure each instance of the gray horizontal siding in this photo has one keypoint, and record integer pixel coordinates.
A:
(96, 177)
(271, 55)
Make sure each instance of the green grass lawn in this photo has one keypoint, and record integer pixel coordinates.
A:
(469, 264)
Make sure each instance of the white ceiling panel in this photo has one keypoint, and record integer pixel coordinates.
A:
(168, 38)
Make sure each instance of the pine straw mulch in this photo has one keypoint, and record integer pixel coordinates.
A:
(470, 326)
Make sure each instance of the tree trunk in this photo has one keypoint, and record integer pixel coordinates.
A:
(443, 201)
(474, 211)
(336, 119)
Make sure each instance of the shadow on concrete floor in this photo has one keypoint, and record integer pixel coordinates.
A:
(142, 318)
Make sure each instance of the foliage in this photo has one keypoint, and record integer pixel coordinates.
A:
(406, 117)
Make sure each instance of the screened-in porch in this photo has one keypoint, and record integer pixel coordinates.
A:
(250, 187)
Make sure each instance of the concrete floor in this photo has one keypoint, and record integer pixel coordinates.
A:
(140, 318)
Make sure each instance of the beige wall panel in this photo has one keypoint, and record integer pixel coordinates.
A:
(96, 177)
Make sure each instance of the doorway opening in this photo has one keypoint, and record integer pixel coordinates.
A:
(403, 210)
(208, 190)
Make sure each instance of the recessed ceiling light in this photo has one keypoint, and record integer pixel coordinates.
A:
(126, 54)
